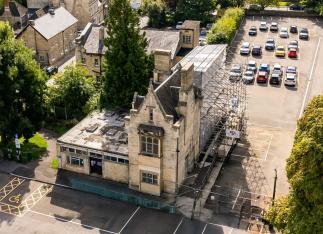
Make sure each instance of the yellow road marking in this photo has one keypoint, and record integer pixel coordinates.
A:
(8, 188)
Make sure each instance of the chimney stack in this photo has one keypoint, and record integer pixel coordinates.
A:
(101, 33)
(187, 76)
(163, 64)
(6, 5)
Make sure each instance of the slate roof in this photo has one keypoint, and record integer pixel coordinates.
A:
(91, 41)
(168, 94)
(162, 39)
(190, 24)
(50, 25)
(16, 9)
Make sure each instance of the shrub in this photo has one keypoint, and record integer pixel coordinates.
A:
(225, 28)
(54, 164)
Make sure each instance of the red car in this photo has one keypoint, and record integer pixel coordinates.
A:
(262, 77)
(292, 53)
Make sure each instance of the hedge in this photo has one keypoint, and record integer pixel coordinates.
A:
(225, 28)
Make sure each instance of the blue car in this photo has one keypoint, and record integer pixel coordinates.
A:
(264, 67)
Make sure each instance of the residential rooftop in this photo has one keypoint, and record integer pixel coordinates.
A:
(104, 131)
(54, 22)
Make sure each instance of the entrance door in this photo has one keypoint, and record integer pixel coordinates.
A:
(96, 166)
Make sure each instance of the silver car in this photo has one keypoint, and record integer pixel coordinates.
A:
(235, 73)
(283, 32)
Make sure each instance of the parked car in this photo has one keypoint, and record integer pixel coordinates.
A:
(291, 69)
(293, 29)
(252, 66)
(179, 24)
(303, 34)
(209, 26)
(235, 73)
(203, 32)
(275, 78)
(51, 70)
(274, 27)
(264, 67)
(262, 77)
(280, 51)
(252, 31)
(270, 44)
(245, 48)
(255, 7)
(202, 41)
(263, 26)
(278, 69)
(293, 44)
(248, 77)
(291, 76)
(292, 53)
(283, 32)
(256, 50)
(295, 7)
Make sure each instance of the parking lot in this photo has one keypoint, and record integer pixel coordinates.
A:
(32, 207)
(272, 113)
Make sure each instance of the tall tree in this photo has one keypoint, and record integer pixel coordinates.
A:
(302, 210)
(127, 66)
(156, 11)
(22, 85)
(195, 10)
(73, 89)
(264, 3)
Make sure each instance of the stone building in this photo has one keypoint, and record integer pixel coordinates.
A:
(90, 47)
(84, 10)
(154, 146)
(14, 13)
(51, 36)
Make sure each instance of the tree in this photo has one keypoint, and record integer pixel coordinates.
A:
(127, 66)
(231, 3)
(156, 11)
(74, 89)
(264, 3)
(195, 10)
(302, 210)
(22, 85)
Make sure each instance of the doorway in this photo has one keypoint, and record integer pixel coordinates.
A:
(96, 166)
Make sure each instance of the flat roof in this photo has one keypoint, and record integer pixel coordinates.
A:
(103, 131)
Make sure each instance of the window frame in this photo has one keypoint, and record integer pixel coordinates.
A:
(149, 177)
(187, 39)
(75, 161)
(149, 145)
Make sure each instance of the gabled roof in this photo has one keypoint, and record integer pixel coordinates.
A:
(50, 25)
(90, 39)
(163, 39)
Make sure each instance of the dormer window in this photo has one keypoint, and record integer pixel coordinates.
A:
(187, 39)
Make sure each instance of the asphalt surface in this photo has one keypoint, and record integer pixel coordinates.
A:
(272, 114)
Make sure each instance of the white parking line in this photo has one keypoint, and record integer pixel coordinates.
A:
(204, 229)
(234, 204)
(179, 224)
(70, 221)
(129, 219)
(310, 79)
(267, 151)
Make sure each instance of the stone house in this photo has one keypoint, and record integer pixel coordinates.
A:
(51, 36)
(154, 146)
(84, 10)
(14, 13)
(90, 47)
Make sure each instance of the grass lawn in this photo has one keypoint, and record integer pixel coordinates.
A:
(36, 146)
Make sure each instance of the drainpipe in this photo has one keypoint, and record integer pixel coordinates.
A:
(177, 153)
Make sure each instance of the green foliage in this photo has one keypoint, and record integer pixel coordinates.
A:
(73, 89)
(156, 11)
(230, 3)
(22, 85)
(195, 10)
(264, 3)
(316, 5)
(225, 28)
(54, 164)
(303, 208)
(127, 66)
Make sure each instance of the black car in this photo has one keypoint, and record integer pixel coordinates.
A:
(275, 78)
(303, 34)
(253, 31)
(256, 50)
(51, 70)
(295, 7)
(293, 29)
